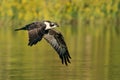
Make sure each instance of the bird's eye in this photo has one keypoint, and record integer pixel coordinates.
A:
(52, 24)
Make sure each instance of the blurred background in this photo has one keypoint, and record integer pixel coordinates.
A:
(91, 29)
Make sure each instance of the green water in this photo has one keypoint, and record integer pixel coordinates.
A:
(95, 53)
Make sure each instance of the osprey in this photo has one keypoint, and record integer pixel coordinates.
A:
(44, 29)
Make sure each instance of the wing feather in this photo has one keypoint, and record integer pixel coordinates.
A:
(35, 35)
(56, 40)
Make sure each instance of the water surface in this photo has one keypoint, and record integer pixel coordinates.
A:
(95, 55)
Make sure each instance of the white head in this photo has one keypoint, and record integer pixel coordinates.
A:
(50, 25)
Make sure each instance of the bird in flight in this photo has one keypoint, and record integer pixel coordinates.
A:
(44, 29)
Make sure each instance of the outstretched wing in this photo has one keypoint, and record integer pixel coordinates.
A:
(57, 42)
(36, 30)
(35, 35)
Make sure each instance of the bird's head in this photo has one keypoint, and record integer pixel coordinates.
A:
(50, 25)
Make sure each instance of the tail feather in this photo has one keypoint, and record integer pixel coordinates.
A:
(23, 28)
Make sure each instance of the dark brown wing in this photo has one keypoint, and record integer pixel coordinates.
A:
(35, 35)
(57, 42)
(36, 30)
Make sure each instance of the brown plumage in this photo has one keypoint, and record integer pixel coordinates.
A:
(39, 30)
(56, 40)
